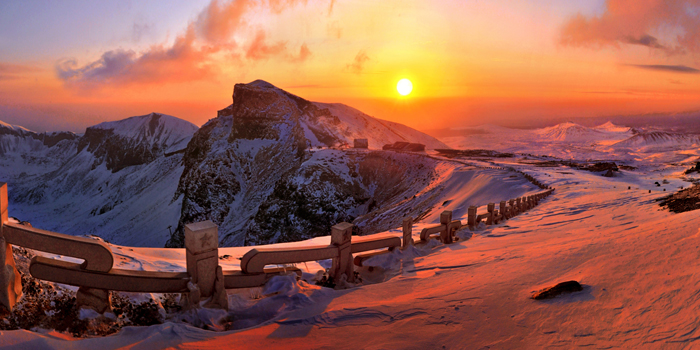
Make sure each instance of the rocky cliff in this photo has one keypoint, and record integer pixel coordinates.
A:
(263, 172)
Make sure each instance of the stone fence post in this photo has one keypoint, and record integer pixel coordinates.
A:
(341, 236)
(471, 217)
(491, 208)
(202, 257)
(10, 279)
(407, 225)
(446, 219)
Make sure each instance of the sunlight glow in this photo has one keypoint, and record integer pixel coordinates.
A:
(404, 87)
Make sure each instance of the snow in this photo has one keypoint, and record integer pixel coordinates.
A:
(153, 128)
(357, 125)
(60, 189)
(13, 127)
(638, 265)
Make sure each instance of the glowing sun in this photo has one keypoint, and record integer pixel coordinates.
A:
(404, 87)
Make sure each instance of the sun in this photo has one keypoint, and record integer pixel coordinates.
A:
(404, 87)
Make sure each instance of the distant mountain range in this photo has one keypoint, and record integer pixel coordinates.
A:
(264, 170)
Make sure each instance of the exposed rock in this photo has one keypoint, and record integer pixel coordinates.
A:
(360, 143)
(609, 173)
(99, 300)
(560, 288)
(684, 200)
(694, 169)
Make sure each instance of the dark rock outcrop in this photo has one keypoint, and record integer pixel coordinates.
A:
(684, 200)
(560, 288)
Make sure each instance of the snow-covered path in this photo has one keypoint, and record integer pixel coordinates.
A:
(638, 264)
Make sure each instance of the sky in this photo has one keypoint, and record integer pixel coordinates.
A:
(71, 64)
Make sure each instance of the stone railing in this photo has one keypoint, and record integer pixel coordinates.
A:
(204, 278)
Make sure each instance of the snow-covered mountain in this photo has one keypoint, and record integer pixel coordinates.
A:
(572, 132)
(323, 124)
(116, 181)
(26, 152)
(610, 127)
(136, 140)
(257, 172)
(657, 138)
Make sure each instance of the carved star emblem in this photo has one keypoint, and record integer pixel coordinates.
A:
(204, 240)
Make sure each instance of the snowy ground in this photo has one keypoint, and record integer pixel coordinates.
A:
(638, 265)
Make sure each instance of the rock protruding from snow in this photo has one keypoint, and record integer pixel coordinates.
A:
(560, 288)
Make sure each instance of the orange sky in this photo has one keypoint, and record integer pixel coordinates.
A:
(470, 62)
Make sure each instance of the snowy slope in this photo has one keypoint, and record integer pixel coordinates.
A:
(355, 124)
(637, 264)
(660, 139)
(26, 152)
(153, 130)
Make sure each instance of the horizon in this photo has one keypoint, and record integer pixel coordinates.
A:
(72, 65)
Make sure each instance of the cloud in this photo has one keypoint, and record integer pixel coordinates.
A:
(278, 6)
(217, 22)
(139, 30)
(180, 62)
(667, 68)
(645, 40)
(632, 21)
(333, 29)
(192, 55)
(10, 71)
(8, 68)
(259, 49)
(358, 64)
(330, 7)
(304, 54)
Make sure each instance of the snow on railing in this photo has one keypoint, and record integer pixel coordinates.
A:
(205, 278)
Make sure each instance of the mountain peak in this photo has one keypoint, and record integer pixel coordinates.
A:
(137, 140)
(153, 127)
(14, 128)
(261, 84)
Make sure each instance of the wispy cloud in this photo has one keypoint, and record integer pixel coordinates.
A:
(10, 71)
(330, 7)
(666, 68)
(192, 55)
(632, 21)
(358, 64)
